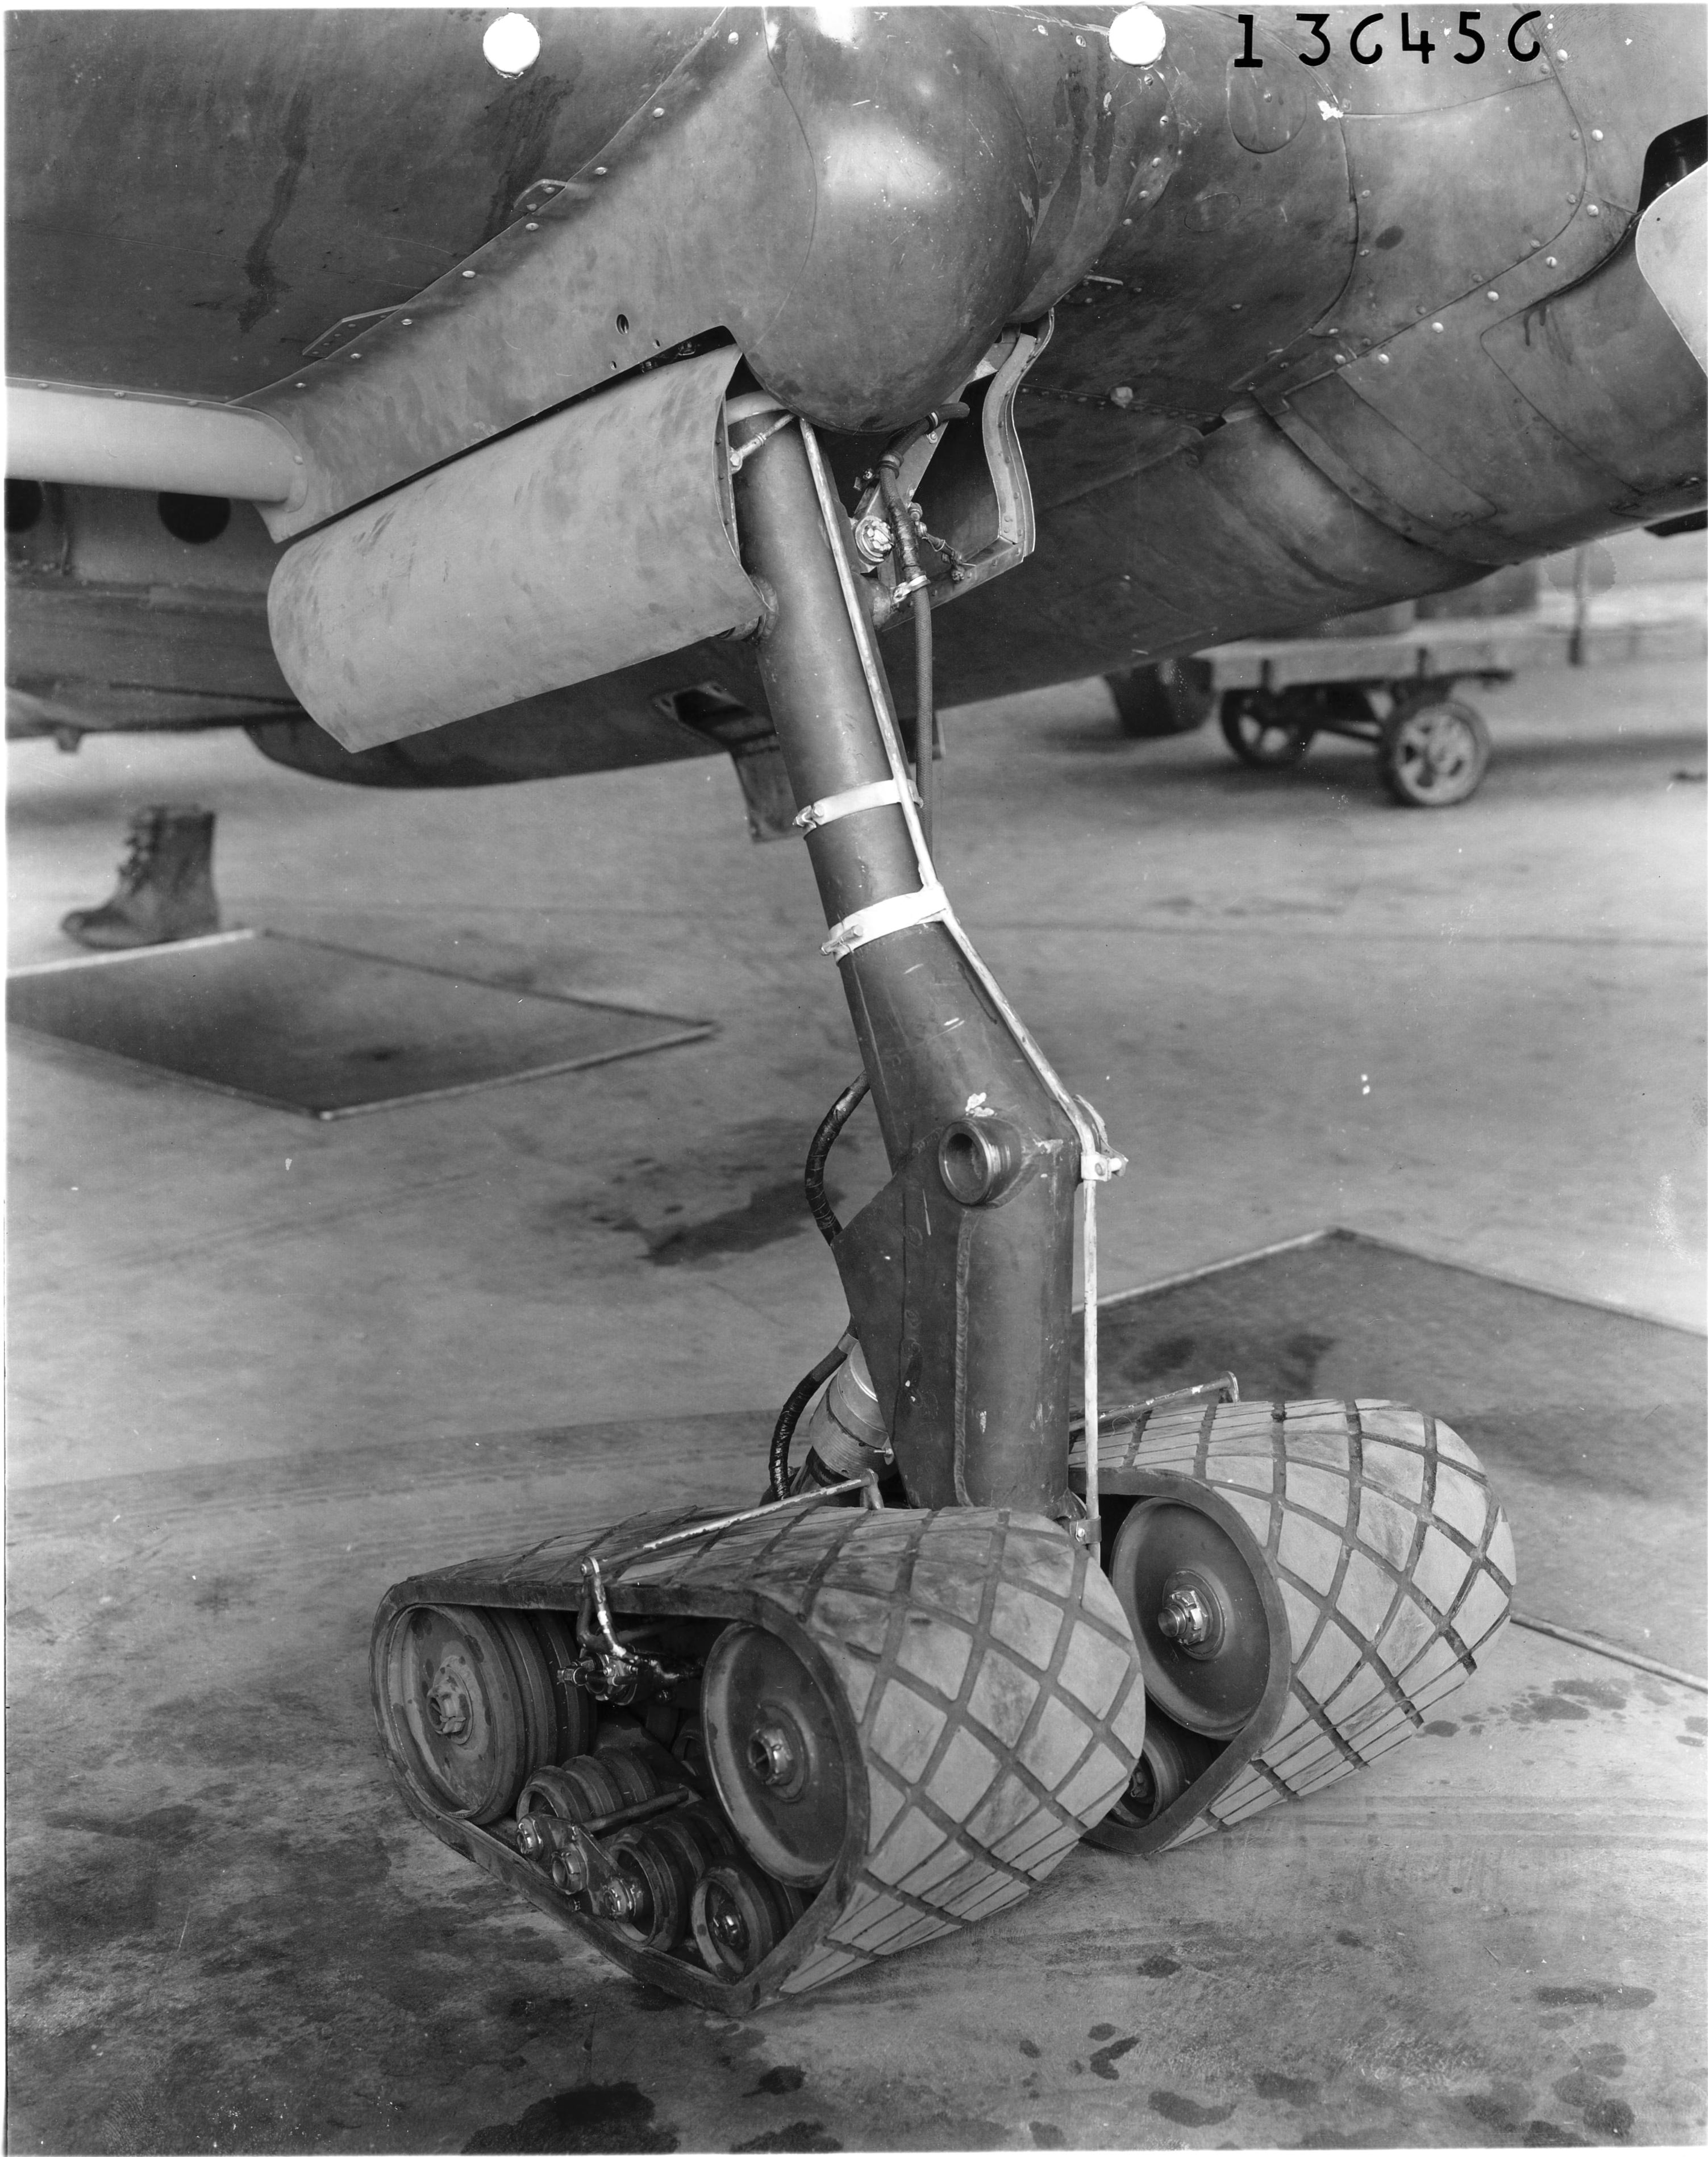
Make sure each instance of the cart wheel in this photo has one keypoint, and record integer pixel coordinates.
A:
(1152, 703)
(1434, 751)
(1265, 730)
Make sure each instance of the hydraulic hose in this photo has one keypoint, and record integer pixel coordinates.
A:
(913, 581)
(925, 725)
(793, 1408)
(819, 1153)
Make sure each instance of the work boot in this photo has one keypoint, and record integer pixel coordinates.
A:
(166, 884)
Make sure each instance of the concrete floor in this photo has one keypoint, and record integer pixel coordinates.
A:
(260, 1367)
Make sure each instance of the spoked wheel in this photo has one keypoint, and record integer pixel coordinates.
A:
(775, 1757)
(1434, 752)
(1265, 731)
(458, 1714)
(1197, 1614)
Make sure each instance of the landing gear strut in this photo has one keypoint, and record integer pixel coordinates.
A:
(749, 1751)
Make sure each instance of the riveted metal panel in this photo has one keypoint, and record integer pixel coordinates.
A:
(1605, 365)
(1422, 245)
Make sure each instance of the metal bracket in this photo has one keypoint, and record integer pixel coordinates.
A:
(608, 1669)
(959, 507)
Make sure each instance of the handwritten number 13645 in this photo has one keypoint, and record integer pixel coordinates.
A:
(1367, 48)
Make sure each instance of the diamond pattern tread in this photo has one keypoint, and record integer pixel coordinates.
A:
(984, 1681)
(1387, 1556)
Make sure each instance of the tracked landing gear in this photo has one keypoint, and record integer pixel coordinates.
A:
(875, 1727)
(854, 1731)
(746, 1752)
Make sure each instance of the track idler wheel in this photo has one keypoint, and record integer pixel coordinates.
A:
(774, 1754)
(1197, 1613)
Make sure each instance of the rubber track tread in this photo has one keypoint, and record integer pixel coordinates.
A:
(1393, 1558)
(981, 1659)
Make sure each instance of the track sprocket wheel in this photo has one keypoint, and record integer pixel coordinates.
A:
(454, 1712)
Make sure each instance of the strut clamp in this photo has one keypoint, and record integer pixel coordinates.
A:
(881, 794)
(907, 909)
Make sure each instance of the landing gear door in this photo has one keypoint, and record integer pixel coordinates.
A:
(1672, 247)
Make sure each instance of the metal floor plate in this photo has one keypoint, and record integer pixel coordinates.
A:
(320, 1030)
(1589, 1420)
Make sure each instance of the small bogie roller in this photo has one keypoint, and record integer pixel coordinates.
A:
(739, 1916)
(1172, 1761)
(589, 1788)
(661, 1864)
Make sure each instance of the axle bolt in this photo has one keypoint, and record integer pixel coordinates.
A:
(726, 1925)
(770, 1755)
(619, 1900)
(873, 538)
(1185, 1618)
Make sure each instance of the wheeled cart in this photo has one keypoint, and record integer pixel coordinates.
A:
(1399, 689)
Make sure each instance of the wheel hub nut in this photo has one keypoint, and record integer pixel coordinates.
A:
(772, 1757)
(619, 1900)
(726, 1925)
(448, 1709)
(1186, 1617)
